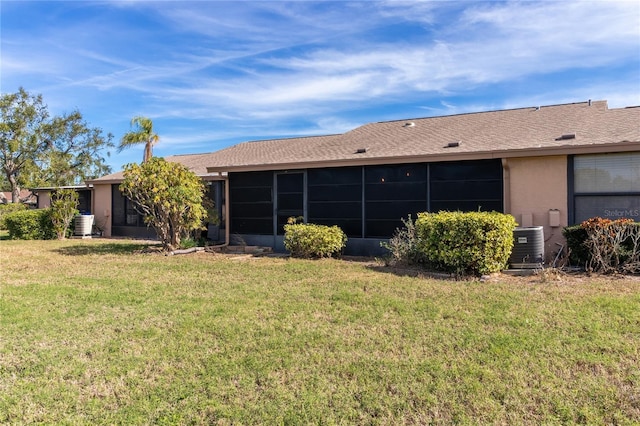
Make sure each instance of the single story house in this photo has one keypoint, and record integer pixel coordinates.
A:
(548, 166)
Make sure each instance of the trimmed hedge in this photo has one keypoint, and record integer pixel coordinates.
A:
(6, 209)
(308, 240)
(474, 243)
(30, 225)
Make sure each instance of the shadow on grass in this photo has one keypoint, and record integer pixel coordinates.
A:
(412, 271)
(108, 248)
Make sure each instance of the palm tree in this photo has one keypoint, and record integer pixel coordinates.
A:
(142, 134)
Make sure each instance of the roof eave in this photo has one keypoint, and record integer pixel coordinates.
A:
(87, 185)
(209, 176)
(103, 181)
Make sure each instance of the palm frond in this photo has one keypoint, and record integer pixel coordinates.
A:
(142, 133)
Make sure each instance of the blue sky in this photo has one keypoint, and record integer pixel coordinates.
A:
(211, 73)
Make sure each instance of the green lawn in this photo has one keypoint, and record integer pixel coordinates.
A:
(92, 333)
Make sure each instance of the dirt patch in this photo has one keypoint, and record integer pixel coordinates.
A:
(558, 276)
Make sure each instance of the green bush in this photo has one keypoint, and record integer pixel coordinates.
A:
(6, 209)
(309, 240)
(474, 243)
(576, 237)
(64, 206)
(30, 225)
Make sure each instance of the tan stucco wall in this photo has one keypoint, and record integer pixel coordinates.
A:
(102, 208)
(534, 186)
(44, 199)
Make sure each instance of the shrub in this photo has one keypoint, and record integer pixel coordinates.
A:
(403, 245)
(309, 240)
(613, 245)
(473, 243)
(190, 242)
(6, 209)
(64, 206)
(604, 245)
(576, 237)
(168, 195)
(30, 225)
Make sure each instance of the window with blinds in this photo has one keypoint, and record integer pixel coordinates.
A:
(607, 186)
(607, 173)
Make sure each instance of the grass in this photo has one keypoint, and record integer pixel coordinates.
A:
(94, 333)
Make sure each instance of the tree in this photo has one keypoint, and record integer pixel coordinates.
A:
(37, 150)
(169, 197)
(142, 134)
(64, 206)
(75, 154)
(21, 140)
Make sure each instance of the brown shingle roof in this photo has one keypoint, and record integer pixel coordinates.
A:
(496, 134)
(197, 163)
(506, 133)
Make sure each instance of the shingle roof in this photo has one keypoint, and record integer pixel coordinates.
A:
(197, 163)
(523, 131)
(494, 134)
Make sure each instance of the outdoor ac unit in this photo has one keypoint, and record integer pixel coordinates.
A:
(528, 248)
(83, 224)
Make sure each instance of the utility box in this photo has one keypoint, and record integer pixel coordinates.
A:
(554, 218)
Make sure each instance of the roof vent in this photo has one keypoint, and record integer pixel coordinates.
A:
(409, 124)
(566, 136)
(454, 144)
(361, 150)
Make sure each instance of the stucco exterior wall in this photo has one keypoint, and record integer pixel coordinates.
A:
(102, 208)
(537, 196)
(44, 199)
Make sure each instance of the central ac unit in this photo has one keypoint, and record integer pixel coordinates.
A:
(528, 248)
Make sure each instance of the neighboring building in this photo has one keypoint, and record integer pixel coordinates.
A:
(43, 196)
(548, 166)
(26, 197)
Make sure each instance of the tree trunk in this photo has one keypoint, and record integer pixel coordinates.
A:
(148, 152)
(175, 240)
(15, 189)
